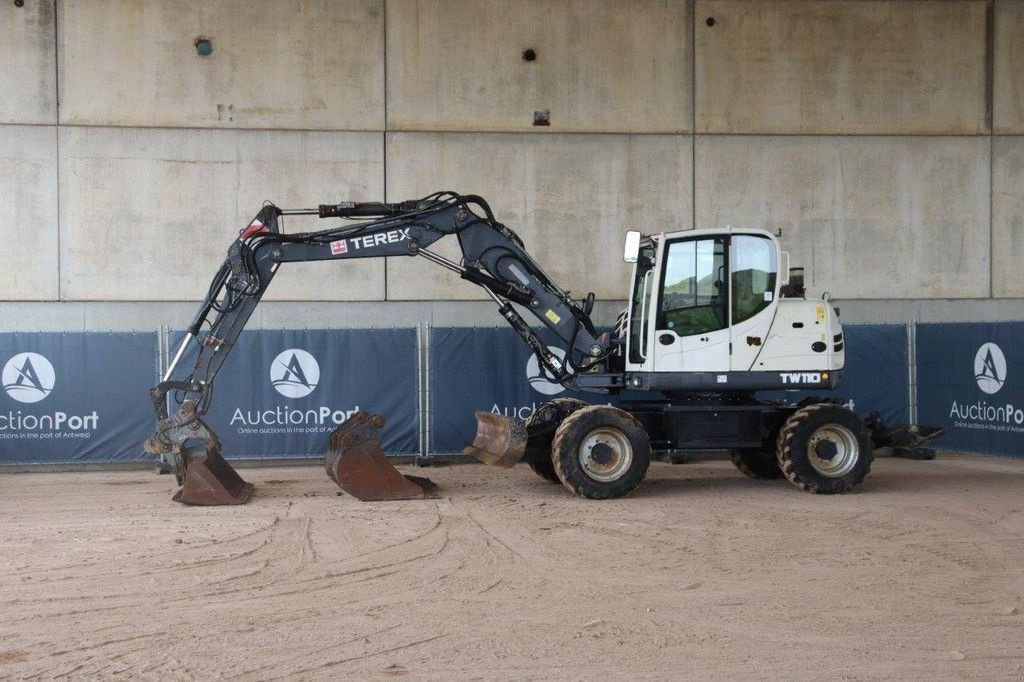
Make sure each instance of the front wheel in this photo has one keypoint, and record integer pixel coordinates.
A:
(824, 448)
(601, 452)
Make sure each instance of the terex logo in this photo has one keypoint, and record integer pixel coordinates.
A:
(990, 368)
(341, 246)
(28, 377)
(294, 373)
(800, 377)
(539, 381)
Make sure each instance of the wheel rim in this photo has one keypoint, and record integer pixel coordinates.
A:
(833, 450)
(605, 454)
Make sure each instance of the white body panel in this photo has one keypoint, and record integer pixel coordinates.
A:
(788, 347)
(700, 353)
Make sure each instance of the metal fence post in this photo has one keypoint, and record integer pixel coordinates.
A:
(912, 370)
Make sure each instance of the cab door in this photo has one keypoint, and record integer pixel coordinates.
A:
(754, 295)
(692, 321)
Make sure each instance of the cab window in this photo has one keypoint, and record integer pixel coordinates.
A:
(753, 276)
(694, 298)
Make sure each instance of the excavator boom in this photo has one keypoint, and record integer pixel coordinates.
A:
(493, 258)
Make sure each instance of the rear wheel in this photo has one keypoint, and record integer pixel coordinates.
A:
(547, 417)
(601, 452)
(756, 463)
(825, 448)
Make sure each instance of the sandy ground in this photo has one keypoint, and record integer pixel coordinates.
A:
(701, 573)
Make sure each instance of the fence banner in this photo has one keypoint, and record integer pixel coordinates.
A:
(486, 369)
(970, 379)
(281, 392)
(876, 374)
(70, 397)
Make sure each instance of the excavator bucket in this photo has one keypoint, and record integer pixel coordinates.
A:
(357, 464)
(500, 440)
(204, 476)
(209, 480)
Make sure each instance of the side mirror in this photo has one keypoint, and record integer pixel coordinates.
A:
(631, 251)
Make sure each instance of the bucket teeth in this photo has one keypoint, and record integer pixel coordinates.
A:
(356, 463)
(500, 440)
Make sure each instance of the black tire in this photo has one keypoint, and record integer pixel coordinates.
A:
(551, 413)
(614, 446)
(757, 463)
(545, 468)
(824, 448)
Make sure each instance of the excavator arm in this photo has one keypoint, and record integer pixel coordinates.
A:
(493, 258)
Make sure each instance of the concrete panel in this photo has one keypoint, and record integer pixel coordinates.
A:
(869, 217)
(149, 214)
(1008, 67)
(803, 66)
(28, 79)
(1007, 216)
(601, 65)
(570, 197)
(305, 64)
(28, 186)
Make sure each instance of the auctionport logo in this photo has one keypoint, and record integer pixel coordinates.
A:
(294, 373)
(539, 381)
(990, 376)
(990, 368)
(28, 377)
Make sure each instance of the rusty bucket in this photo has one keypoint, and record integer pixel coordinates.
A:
(204, 476)
(209, 480)
(357, 464)
(500, 440)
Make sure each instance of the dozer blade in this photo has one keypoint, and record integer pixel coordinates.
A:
(209, 480)
(500, 440)
(357, 464)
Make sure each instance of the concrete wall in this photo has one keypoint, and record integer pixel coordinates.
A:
(28, 78)
(885, 139)
(28, 185)
(306, 64)
(1008, 67)
(868, 217)
(131, 231)
(599, 66)
(844, 67)
(568, 196)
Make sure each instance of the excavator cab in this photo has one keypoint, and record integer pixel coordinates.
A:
(706, 312)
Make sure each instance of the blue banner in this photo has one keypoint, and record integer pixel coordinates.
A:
(970, 380)
(876, 374)
(281, 392)
(485, 369)
(71, 397)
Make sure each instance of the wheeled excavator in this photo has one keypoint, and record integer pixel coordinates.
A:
(713, 318)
